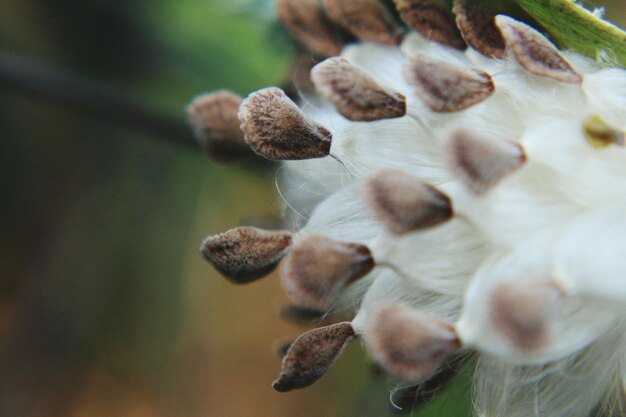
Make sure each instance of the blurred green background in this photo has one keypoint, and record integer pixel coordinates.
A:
(106, 308)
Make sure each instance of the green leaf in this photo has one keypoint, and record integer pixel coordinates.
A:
(573, 27)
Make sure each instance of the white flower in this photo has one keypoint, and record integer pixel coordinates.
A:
(462, 203)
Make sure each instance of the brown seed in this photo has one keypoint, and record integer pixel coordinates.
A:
(408, 344)
(535, 52)
(431, 19)
(311, 355)
(354, 93)
(600, 134)
(307, 22)
(445, 87)
(478, 28)
(317, 269)
(522, 311)
(246, 254)
(276, 129)
(403, 203)
(481, 163)
(213, 118)
(368, 20)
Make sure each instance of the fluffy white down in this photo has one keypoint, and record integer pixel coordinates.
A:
(561, 216)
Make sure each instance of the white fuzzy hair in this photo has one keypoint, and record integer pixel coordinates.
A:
(563, 216)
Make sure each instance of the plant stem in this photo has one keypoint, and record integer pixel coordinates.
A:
(81, 95)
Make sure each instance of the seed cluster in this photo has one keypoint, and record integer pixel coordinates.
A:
(473, 183)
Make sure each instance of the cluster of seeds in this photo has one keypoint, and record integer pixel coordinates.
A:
(470, 197)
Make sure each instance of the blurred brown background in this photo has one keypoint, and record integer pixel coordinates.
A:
(106, 308)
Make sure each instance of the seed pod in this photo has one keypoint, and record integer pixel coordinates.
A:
(481, 163)
(354, 93)
(368, 20)
(445, 87)
(317, 269)
(524, 311)
(246, 254)
(431, 19)
(535, 52)
(307, 22)
(478, 28)
(409, 345)
(403, 203)
(276, 128)
(213, 118)
(311, 355)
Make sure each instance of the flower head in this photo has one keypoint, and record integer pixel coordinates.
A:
(477, 194)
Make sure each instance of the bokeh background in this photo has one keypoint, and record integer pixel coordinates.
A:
(106, 308)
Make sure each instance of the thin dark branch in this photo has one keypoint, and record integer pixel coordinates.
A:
(26, 77)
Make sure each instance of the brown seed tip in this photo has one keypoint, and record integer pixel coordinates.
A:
(276, 129)
(213, 118)
(311, 354)
(408, 344)
(317, 269)
(478, 28)
(246, 254)
(307, 22)
(368, 20)
(445, 87)
(481, 163)
(600, 134)
(535, 52)
(431, 19)
(403, 203)
(523, 311)
(354, 93)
